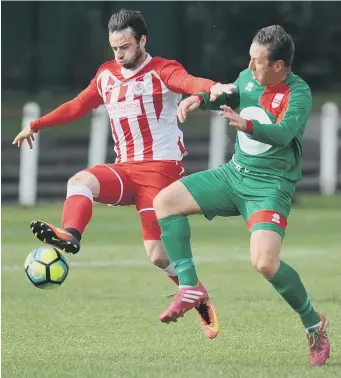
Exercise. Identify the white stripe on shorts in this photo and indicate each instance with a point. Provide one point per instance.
(121, 182)
(146, 209)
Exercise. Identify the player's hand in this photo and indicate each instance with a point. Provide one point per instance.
(235, 119)
(25, 134)
(188, 105)
(218, 89)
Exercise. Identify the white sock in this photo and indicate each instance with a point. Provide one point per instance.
(79, 190)
(170, 270)
(185, 286)
(313, 328)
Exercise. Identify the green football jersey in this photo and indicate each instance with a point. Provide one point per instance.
(279, 115)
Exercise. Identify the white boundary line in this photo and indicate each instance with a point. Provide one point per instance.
(198, 260)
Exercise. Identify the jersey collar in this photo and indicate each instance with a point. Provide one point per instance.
(129, 73)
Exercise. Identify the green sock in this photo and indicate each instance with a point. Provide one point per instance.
(176, 236)
(288, 284)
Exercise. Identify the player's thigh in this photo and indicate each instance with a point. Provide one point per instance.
(116, 187)
(265, 203)
(212, 191)
(175, 199)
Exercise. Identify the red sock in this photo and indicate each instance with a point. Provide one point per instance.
(175, 279)
(77, 212)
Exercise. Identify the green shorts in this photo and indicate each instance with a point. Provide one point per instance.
(264, 201)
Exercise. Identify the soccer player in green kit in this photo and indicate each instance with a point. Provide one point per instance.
(258, 183)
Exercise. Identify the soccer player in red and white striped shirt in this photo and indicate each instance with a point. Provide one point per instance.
(141, 94)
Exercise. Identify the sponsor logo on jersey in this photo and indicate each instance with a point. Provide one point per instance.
(277, 100)
(249, 86)
(138, 88)
(124, 109)
(276, 218)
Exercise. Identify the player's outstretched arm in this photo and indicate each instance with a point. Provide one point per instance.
(70, 111)
(214, 94)
(221, 94)
(221, 89)
(176, 79)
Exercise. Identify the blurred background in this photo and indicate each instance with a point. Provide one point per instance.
(103, 322)
(51, 50)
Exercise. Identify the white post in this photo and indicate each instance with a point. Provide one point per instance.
(218, 140)
(98, 137)
(329, 147)
(28, 173)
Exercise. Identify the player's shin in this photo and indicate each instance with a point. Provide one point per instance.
(176, 235)
(77, 210)
(288, 284)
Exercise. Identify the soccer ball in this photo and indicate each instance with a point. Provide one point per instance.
(46, 267)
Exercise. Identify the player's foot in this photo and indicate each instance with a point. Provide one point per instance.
(57, 237)
(208, 316)
(209, 319)
(184, 300)
(319, 345)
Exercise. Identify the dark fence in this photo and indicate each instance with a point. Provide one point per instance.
(59, 45)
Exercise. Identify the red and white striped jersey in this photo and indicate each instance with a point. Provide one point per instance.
(141, 104)
(142, 112)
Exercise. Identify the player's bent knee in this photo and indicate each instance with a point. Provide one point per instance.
(265, 267)
(87, 179)
(265, 249)
(156, 253)
(160, 261)
(265, 262)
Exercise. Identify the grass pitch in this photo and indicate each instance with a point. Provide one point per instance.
(103, 321)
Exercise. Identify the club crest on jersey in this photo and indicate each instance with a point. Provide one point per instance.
(109, 89)
(277, 100)
(138, 88)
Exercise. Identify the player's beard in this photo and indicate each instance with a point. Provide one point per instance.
(135, 61)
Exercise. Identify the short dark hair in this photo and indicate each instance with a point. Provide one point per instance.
(128, 19)
(278, 42)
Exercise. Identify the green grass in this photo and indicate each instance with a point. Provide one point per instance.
(103, 321)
